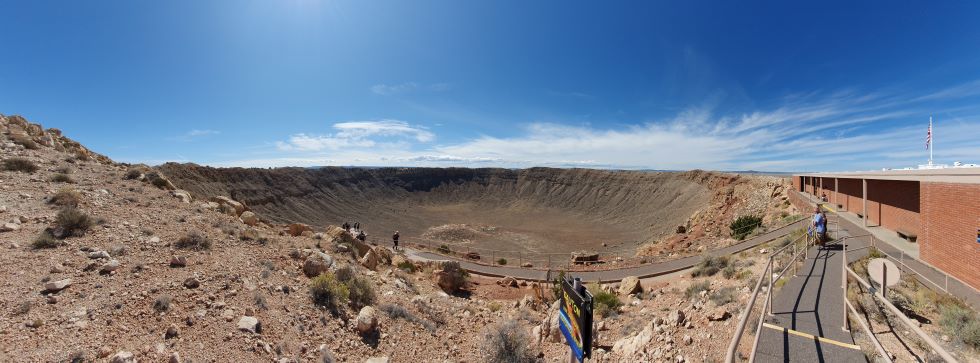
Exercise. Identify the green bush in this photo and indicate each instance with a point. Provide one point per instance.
(444, 249)
(360, 292)
(695, 289)
(556, 285)
(604, 302)
(61, 178)
(193, 240)
(45, 240)
(19, 164)
(328, 292)
(73, 222)
(507, 342)
(502, 261)
(710, 265)
(744, 225)
(961, 322)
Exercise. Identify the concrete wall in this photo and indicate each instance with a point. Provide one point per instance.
(950, 218)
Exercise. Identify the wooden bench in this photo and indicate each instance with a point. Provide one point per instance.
(909, 236)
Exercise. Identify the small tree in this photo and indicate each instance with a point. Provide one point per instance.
(744, 225)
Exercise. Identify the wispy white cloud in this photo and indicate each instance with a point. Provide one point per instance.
(393, 89)
(815, 131)
(194, 134)
(357, 134)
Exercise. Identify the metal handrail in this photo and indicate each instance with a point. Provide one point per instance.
(901, 316)
(767, 306)
(867, 330)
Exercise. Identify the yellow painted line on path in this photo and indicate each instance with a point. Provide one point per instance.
(811, 337)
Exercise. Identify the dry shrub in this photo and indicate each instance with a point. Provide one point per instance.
(22, 165)
(45, 240)
(62, 178)
(194, 240)
(73, 222)
(66, 198)
(507, 342)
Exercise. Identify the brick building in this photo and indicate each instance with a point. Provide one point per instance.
(938, 210)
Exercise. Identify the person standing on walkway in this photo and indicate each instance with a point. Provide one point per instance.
(818, 226)
(394, 239)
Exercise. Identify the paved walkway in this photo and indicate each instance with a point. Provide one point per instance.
(808, 314)
(613, 275)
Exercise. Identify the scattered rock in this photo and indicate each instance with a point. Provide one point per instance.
(719, 314)
(527, 265)
(178, 261)
(183, 195)
(297, 229)
(98, 254)
(630, 346)
(109, 267)
(172, 332)
(367, 320)
(249, 324)
(377, 360)
(630, 285)
(688, 340)
(191, 283)
(507, 282)
(56, 286)
(123, 357)
(676, 318)
(9, 227)
(370, 260)
(250, 218)
(316, 264)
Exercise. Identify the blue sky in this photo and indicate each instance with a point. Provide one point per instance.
(662, 85)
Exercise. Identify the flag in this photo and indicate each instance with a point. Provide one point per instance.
(929, 134)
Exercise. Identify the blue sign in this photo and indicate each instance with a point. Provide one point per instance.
(575, 319)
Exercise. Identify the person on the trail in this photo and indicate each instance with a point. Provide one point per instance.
(823, 197)
(394, 238)
(361, 236)
(357, 226)
(818, 226)
(346, 226)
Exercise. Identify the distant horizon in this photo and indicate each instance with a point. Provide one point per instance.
(669, 86)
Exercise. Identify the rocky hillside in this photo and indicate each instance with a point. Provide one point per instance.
(108, 262)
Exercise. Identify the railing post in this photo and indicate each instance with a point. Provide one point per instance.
(843, 286)
(769, 291)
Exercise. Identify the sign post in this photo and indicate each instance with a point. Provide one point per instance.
(575, 318)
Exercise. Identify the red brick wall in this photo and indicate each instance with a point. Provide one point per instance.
(950, 218)
(849, 194)
(797, 182)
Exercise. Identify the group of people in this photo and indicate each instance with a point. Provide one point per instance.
(356, 226)
(348, 225)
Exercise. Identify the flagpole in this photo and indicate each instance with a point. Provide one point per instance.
(932, 139)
